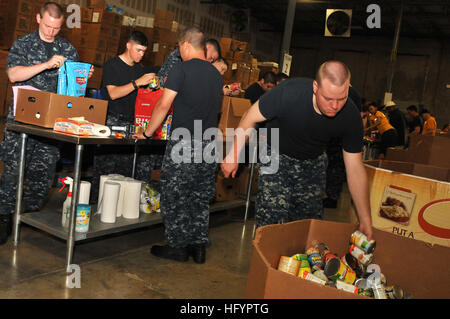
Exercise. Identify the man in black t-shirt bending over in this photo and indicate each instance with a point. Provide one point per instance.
(187, 183)
(309, 113)
(122, 76)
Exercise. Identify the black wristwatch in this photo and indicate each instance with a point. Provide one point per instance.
(147, 137)
(134, 84)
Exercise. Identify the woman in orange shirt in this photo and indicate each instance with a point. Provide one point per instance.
(388, 134)
(430, 125)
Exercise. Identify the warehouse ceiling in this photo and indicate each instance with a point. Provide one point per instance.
(421, 18)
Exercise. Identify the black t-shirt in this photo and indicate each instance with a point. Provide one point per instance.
(254, 92)
(199, 94)
(398, 121)
(304, 134)
(116, 72)
(416, 121)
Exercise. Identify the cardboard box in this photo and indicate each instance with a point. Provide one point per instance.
(411, 200)
(431, 150)
(42, 108)
(146, 22)
(156, 175)
(226, 188)
(225, 45)
(242, 180)
(396, 257)
(3, 106)
(111, 18)
(96, 4)
(95, 57)
(163, 19)
(96, 80)
(238, 45)
(231, 112)
(396, 154)
(164, 36)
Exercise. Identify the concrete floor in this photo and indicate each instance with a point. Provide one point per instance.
(120, 266)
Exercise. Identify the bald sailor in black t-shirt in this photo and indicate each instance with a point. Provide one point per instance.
(187, 183)
(309, 113)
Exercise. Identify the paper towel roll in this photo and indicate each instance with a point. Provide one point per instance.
(103, 179)
(85, 192)
(132, 199)
(101, 130)
(110, 199)
(123, 186)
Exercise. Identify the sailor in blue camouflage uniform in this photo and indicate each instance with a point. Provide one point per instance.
(188, 178)
(212, 54)
(123, 75)
(309, 114)
(33, 60)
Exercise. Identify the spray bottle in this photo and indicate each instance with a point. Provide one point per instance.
(66, 206)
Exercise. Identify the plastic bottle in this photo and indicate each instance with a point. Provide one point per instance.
(66, 205)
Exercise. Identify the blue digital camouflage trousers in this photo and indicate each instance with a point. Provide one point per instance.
(292, 193)
(41, 158)
(186, 191)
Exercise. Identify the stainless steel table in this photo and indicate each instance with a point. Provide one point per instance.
(50, 221)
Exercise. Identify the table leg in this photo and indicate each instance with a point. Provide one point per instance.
(19, 195)
(73, 206)
(250, 179)
(133, 172)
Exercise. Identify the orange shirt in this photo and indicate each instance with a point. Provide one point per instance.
(430, 125)
(384, 126)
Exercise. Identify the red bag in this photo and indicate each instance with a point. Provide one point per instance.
(143, 109)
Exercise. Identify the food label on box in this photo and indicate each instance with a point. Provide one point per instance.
(410, 206)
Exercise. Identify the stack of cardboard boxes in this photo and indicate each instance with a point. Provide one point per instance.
(17, 18)
(3, 83)
(243, 67)
(98, 38)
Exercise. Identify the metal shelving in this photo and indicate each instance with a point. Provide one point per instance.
(49, 219)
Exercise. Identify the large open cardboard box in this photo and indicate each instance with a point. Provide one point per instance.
(418, 268)
(431, 150)
(43, 108)
(422, 192)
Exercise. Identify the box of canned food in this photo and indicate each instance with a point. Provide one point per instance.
(315, 259)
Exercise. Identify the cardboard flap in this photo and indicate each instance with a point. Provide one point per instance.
(239, 106)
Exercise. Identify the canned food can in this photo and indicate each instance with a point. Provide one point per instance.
(300, 257)
(365, 292)
(335, 269)
(394, 292)
(82, 218)
(382, 277)
(323, 249)
(360, 240)
(153, 84)
(328, 257)
(289, 265)
(361, 283)
(346, 287)
(353, 263)
(379, 292)
(311, 277)
(359, 254)
(314, 258)
(320, 274)
(304, 266)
